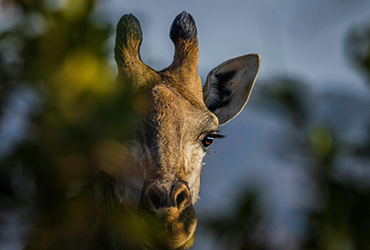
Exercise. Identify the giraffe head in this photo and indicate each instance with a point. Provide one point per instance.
(176, 124)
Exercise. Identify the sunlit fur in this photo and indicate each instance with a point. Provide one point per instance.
(151, 198)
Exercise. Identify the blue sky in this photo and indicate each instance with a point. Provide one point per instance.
(299, 38)
(303, 39)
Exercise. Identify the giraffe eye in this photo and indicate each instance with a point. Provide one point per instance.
(207, 141)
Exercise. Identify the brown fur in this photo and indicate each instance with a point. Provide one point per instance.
(165, 164)
(150, 182)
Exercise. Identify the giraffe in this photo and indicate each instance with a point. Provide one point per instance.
(147, 200)
(177, 124)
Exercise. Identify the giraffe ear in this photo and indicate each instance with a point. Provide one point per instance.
(229, 86)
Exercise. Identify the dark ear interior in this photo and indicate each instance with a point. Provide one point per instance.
(221, 94)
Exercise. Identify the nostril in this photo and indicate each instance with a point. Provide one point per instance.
(154, 197)
(181, 196)
(156, 200)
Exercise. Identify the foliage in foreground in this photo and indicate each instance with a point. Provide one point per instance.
(54, 62)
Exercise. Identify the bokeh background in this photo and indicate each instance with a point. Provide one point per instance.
(294, 169)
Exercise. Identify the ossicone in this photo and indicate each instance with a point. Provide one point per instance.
(183, 34)
(128, 31)
(183, 28)
(131, 69)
